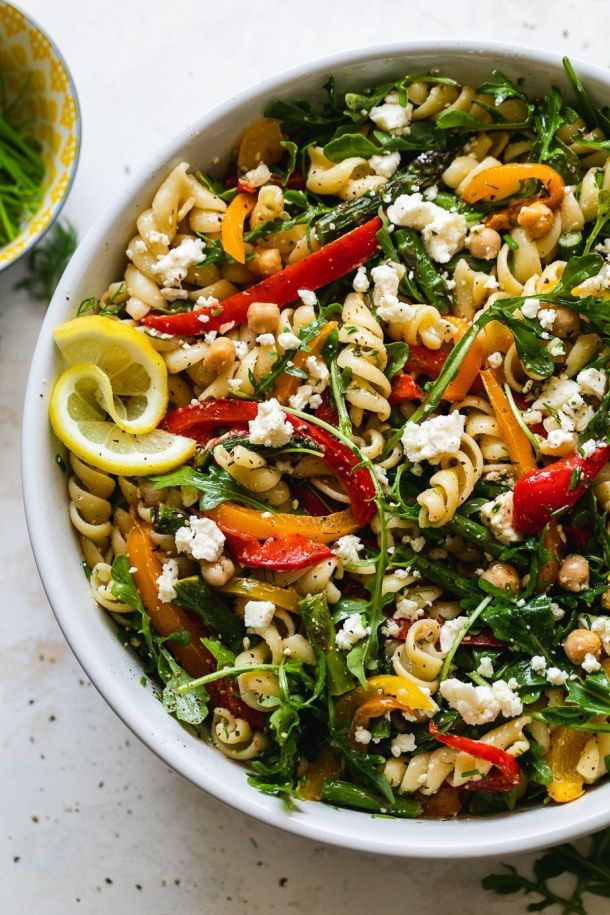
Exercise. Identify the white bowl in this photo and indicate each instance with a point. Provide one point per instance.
(113, 670)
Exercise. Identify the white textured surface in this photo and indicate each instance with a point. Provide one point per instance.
(91, 821)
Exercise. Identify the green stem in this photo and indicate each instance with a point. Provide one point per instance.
(458, 639)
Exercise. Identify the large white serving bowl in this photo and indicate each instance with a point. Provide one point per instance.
(114, 671)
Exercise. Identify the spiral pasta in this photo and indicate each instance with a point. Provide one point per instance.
(451, 486)
(365, 356)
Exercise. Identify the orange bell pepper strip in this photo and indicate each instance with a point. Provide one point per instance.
(567, 745)
(167, 618)
(323, 529)
(383, 694)
(261, 142)
(501, 181)
(287, 385)
(324, 766)
(457, 389)
(232, 228)
(553, 544)
(518, 447)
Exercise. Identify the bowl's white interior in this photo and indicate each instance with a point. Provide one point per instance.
(100, 260)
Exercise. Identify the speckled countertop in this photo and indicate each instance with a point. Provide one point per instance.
(90, 820)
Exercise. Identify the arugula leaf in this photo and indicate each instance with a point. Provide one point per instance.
(398, 353)
(191, 707)
(427, 278)
(530, 627)
(548, 147)
(363, 767)
(502, 88)
(531, 350)
(602, 218)
(463, 120)
(122, 584)
(224, 657)
(195, 595)
(586, 106)
(216, 485)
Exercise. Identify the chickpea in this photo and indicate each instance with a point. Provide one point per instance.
(605, 600)
(265, 261)
(485, 244)
(263, 317)
(220, 356)
(503, 576)
(150, 495)
(574, 573)
(217, 573)
(566, 323)
(536, 219)
(580, 643)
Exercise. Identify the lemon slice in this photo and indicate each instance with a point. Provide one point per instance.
(137, 374)
(78, 416)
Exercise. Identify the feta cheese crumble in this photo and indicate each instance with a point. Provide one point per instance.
(258, 614)
(391, 116)
(270, 426)
(592, 381)
(498, 516)
(481, 704)
(404, 743)
(361, 280)
(408, 609)
(258, 176)
(288, 340)
(174, 266)
(486, 668)
(350, 632)
(434, 438)
(601, 627)
(385, 165)
(443, 232)
(200, 538)
(556, 677)
(386, 279)
(449, 632)
(166, 581)
(538, 664)
(348, 547)
(590, 663)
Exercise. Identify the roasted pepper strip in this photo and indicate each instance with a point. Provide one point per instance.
(280, 553)
(457, 389)
(254, 589)
(563, 757)
(287, 385)
(325, 529)
(517, 444)
(167, 618)
(261, 142)
(318, 269)
(232, 228)
(510, 772)
(430, 362)
(383, 694)
(501, 181)
(542, 492)
(404, 389)
(324, 766)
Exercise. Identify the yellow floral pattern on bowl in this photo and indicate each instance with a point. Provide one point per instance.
(25, 49)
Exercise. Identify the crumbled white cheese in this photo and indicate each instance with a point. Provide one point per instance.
(532, 417)
(485, 668)
(596, 284)
(556, 677)
(386, 279)
(481, 704)
(158, 238)
(174, 266)
(495, 360)
(361, 280)
(558, 437)
(258, 176)
(449, 632)
(391, 116)
(350, 632)
(234, 384)
(403, 743)
(385, 165)
(588, 448)
(592, 381)
(348, 547)
(416, 543)
(266, 339)
(443, 231)
(601, 627)
(538, 664)
(530, 308)
(166, 581)
(241, 347)
(547, 316)
(200, 538)
(305, 396)
(408, 609)
(270, 426)
(307, 297)
(434, 438)
(288, 340)
(382, 475)
(258, 614)
(590, 663)
(498, 515)
(362, 735)
(557, 612)
(556, 347)
(317, 370)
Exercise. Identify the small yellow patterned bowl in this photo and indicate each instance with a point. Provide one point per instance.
(25, 49)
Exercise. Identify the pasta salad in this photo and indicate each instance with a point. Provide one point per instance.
(338, 446)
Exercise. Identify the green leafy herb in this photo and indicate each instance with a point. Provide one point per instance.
(398, 353)
(216, 486)
(195, 595)
(48, 260)
(586, 106)
(191, 707)
(529, 626)
(321, 633)
(122, 584)
(601, 220)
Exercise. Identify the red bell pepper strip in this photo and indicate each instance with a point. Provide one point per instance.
(280, 554)
(318, 269)
(309, 499)
(429, 362)
(510, 772)
(483, 639)
(404, 388)
(295, 182)
(199, 419)
(326, 411)
(542, 492)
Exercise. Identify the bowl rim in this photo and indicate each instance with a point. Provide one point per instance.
(464, 838)
(58, 206)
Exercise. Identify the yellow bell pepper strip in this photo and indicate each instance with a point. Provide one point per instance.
(565, 752)
(383, 694)
(324, 766)
(232, 228)
(166, 618)
(501, 181)
(253, 589)
(497, 338)
(286, 385)
(518, 447)
(457, 389)
(261, 142)
(323, 529)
